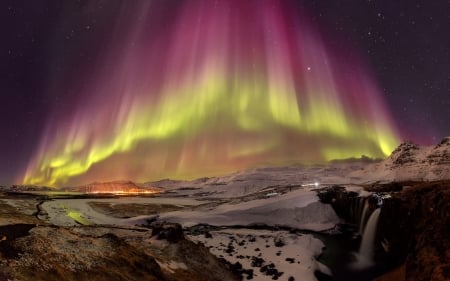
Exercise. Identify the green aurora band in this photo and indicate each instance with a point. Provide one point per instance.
(223, 87)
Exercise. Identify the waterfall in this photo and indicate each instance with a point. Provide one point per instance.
(365, 255)
(350, 210)
(361, 201)
(363, 217)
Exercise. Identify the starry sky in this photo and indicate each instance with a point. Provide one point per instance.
(57, 55)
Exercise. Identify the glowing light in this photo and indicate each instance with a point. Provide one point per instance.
(227, 85)
(124, 192)
(78, 217)
(117, 188)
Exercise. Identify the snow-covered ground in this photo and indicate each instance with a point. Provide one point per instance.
(255, 180)
(63, 212)
(409, 162)
(298, 209)
(235, 203)
(293, 255)
(296, 206)
(283, 196)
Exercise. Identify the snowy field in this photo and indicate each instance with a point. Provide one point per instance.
(234, 204)
(267, 253)
(254, 249)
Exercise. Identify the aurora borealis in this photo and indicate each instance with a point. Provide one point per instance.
(200, 88)
(230, 85)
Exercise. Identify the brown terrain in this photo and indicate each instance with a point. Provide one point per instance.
(128, 210)
(429, 249)
(31, 249)
(415, 220)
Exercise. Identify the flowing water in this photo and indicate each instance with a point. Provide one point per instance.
(363, 217)
(365, 254)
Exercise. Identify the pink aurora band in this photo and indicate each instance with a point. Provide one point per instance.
(217, 87)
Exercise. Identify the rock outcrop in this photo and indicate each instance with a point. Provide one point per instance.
(101, 253)
(428, 222)
(413, 234)
(410, 162)
(172, 232)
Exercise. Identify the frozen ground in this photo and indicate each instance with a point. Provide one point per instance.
(243, 211)
(267, 253)
(271, 197)
(235, 204)
(67, 212)
(298, 209)
(262, 179)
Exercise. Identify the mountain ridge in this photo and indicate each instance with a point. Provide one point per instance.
(410, 161)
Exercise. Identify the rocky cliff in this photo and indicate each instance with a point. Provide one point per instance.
(410, 162)
(100, 253)
(413, 234)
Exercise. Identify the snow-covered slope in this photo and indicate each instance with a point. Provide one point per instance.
(410, 162)
(261, 179)
(298, 209)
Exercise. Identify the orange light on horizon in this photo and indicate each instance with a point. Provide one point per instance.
(124, 192)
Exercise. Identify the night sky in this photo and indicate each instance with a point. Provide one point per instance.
(54, 56)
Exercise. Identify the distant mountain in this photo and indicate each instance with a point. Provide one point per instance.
(411, 162)
(164, 183)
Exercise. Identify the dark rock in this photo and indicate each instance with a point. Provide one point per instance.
(388, 187)
(249, 273)
(290, 260)
(8, 233)
(444, 142)
(230, 249)
(238, 270)
(257, 262)
(172, 232)
(416, 225)
(340, 200)
(237, 266)
(404, 154)
(413, 225)
(263, 268)
(279, 241)
(270, 270)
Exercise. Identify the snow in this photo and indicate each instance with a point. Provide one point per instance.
(262, 179)
(302, 249)
(64, 211)
(430, 163)
(358, 189)
(282, 196)
(172, 265)
(298, 209)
